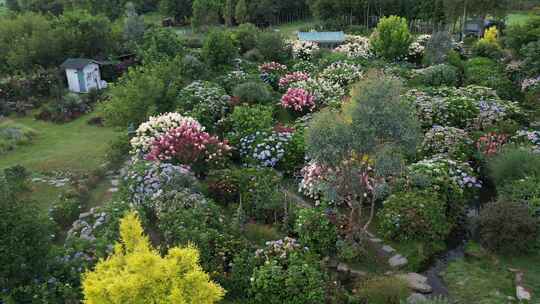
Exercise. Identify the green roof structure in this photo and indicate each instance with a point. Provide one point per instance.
(322, 37)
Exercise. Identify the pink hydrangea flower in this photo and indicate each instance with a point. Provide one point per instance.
(298, 100)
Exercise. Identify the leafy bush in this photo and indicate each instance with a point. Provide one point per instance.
(486, 72)
(218, 49)
(439, 75)
(207, 102)
(316, 231)
(519, 35)
(69, 107)
(414, 216)
(245, 36)
(118, 150)
(13, 135)
(525, 191)
(25, 239)
(383, 290)
(531, 58)
(142, 92)
(513, 164)
(272, 46)
(160, 44)
(254, 55)
(66, 209)
(246, 120)
(253, 93)
(192, 68)
(391, 38)
(452, 142)
(507, 227)
(484, 48)
(438, 48)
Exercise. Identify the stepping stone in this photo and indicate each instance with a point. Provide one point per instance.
(416, 298)
(398, 261)
(416, 282)
(388, 249)
(115, 182)
(375, 240)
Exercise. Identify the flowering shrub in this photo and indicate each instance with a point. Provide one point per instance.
(529, 83)
(461, 173)
(150, 131)
(324, 91)
(341, 73)
(246, 120)
(288, 79)
(417, 48)
(271, 72)
(471, 108)
(146, 182)
(313, 182)
(298, 100)
(264, 148)
(355, 47)
(447, 141)
(230, 80)
(491, 143)
(528, 138)
(304, 50)
(205, 101)
(280, 249)
(188, 144)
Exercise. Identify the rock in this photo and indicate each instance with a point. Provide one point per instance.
(375, 240)
(388, 249)
(85, 214)
(358, 273)
(398, 261)
(523, 294)
(342, 267)
(115, 182)
(113, 190)
(416, 298)
(416, 282)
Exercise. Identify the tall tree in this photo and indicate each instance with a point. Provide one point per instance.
(180, 10)
(241, 12)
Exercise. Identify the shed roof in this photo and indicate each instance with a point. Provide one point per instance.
(77, 63)
(322, 37)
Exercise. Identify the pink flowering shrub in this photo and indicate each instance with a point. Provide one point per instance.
(290, 78)
(272, 67)
(298, 100)
(188, 144)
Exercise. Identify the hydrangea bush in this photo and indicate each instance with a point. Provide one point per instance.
(298, 100)
(264, 148)
(447, 141)
(304, 50)
(418, 48)
(290, 78)
(528, 138)
(323, 90)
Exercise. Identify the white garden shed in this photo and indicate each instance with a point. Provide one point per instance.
(83, 75)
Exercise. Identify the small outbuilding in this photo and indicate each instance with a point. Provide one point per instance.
(324, 39)
(83, 75)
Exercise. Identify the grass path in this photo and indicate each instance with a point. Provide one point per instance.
(74, 146)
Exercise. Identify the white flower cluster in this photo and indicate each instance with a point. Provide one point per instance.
(304, 49)
(324, 91)
(342, 73)
(418, 46)
(355, 47)
(154, 128)
(529, 83)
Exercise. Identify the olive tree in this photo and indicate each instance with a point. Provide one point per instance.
(363, 145)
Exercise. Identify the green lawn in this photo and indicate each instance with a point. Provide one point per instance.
(74, 146)
(518, 18)
(290, 29)
(487, 280)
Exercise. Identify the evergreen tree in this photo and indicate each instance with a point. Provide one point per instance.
(241, 12)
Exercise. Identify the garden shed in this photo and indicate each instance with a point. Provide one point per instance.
(83, 75)
(324, 39)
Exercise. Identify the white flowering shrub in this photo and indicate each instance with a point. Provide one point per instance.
(314, 181)
(324, 91)
(304, 50)
(355, 47)
(447, 141)
(342, 73)
(150, 131)
(418, 47)
(528, 139)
